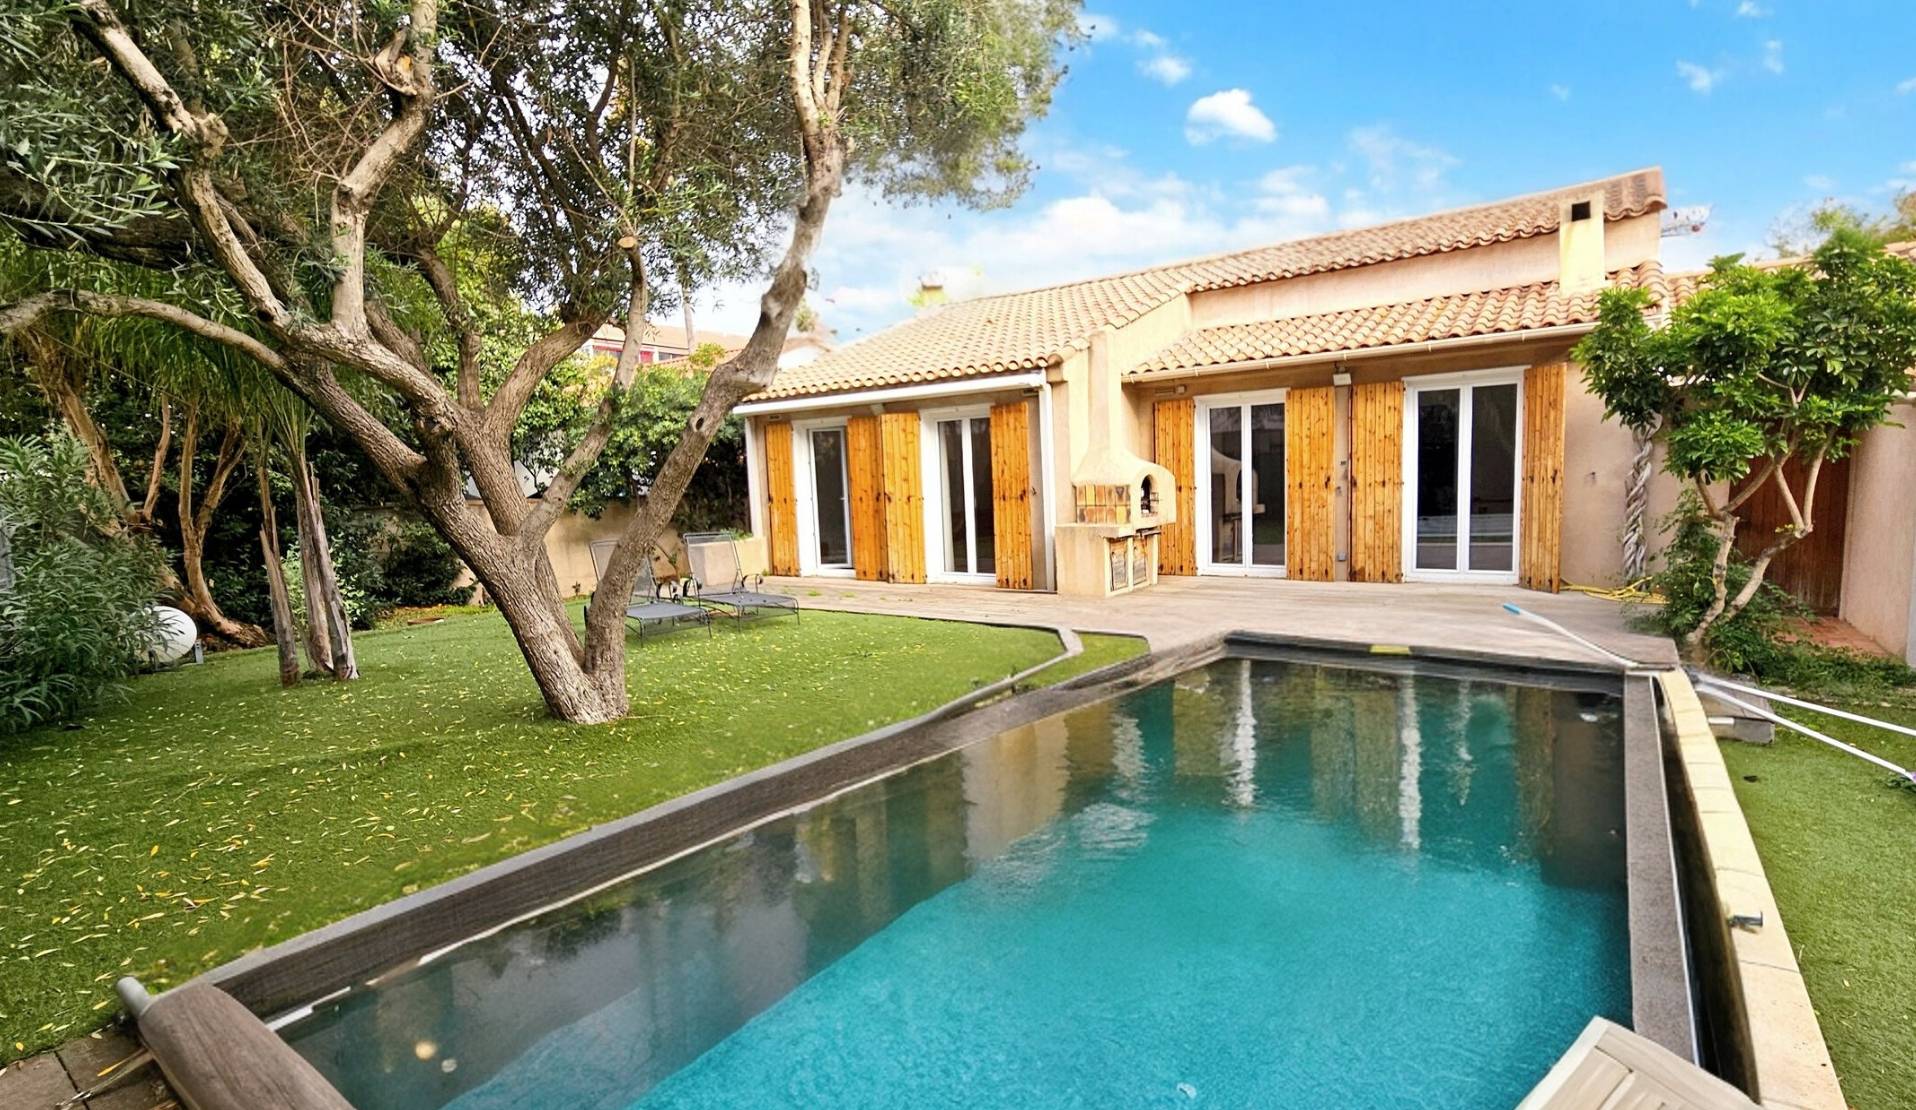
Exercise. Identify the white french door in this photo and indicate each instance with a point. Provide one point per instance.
(1462, 462)
(960, 533)
(824, 494)
(1239, 444)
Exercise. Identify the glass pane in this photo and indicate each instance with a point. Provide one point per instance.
(1437, 432)
(1227, 467)
(982, 525)
(1267, 485)
(951, 452)
(1493, 477)
(828, 481)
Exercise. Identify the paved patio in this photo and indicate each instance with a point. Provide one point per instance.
(1181, 611)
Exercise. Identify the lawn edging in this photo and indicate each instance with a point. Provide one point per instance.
(1788, 1063)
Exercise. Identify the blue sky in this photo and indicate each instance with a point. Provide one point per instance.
(1186, 128)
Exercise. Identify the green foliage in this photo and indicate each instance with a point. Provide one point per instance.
(651, 417)
(74, 609)
(1758, 640)
(1744, 643)
(1761, 362)
(386, 562)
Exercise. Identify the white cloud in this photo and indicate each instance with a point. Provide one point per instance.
(1701, 79)
(1821, 183)
(1098, 27)
(1147, 40)
(1561, 92)
(1395, 162)
(1227, 113)
(1773, 55)
(1904, 88)
(1750, 9)
(1165, 69)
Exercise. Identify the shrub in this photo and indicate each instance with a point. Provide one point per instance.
(389, 563)
(1756, 641)
(74, 612)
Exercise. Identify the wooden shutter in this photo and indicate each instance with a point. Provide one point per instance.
(865, 465)
(904, 502)
(1177, 541)
(1011, 493)
(1540, 547)
(781, 504)
(1310, 420)
(1377, 482)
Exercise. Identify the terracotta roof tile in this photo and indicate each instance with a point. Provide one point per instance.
(1457, 316)
(1028, 330)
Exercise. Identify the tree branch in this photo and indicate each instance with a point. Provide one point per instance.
(23, 313)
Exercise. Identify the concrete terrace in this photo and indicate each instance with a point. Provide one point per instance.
(1181, 611)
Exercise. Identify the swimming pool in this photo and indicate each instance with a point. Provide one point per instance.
(1262, 882)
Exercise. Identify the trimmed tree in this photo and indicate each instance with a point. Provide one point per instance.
(321, 156)
(1763, 367)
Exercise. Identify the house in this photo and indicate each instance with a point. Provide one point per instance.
(661, 342)
(1378, 404)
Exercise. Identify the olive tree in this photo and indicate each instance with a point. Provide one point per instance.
(324, 157)
(1762, 367)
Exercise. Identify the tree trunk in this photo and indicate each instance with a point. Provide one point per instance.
(326, 605)
(195, 521)
(318, 641)
(284, 636)
(551, 648)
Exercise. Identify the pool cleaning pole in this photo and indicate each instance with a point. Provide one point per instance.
(1827, 711)
(1560, 630)
(1708, 686)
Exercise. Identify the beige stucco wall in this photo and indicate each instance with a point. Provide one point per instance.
(569, 546)
(1879, 553)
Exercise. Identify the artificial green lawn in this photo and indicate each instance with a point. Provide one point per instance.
(1836, 844)
(1101, 649)
(213, 812)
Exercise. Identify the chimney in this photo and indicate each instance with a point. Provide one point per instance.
(931, 292)
(1119, 501)
(1580, 244)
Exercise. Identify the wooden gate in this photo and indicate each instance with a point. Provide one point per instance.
(1811, 569)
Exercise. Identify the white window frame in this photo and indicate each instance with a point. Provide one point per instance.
(933, 476)
(805, 492)
(1201, 467)
(1462, 382)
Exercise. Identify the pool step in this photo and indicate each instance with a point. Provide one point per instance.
(1609, 1066)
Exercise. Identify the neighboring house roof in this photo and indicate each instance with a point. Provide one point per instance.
(1456, 316)
(1034, 328)
(669, 336)
(1682, 286)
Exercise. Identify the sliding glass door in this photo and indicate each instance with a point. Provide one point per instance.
(1461, 475)
(966, 542)
(1240, 491)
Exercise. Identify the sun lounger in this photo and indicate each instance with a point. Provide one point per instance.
(720, 582)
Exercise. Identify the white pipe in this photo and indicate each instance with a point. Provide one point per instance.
(987, 383)
(1801, 704)
(1707, 688)
(1565, 632)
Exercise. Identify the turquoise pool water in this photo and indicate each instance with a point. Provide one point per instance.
(1263, 884)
